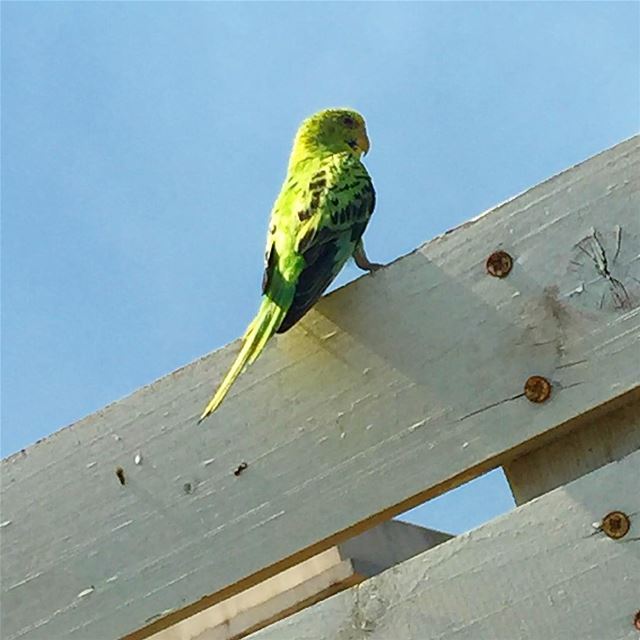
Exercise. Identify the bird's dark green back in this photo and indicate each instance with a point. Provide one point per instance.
(338, 202)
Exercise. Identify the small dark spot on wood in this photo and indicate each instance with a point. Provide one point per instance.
(187, 487)
(153, 617)
(120, 475)
(240, 468)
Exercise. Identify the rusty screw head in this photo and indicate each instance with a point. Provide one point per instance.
(499, 264)
(616, 525)
(537, 389)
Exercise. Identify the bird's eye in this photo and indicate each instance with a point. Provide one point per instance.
(348, 121)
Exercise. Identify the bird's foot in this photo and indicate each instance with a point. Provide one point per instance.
(363, 262)
(372, 267)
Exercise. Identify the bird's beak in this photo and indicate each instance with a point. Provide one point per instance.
(363, 142)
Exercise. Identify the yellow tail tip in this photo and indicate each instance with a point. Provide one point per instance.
(262, 327)
(210, 408)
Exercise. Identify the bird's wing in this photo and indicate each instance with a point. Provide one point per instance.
(324, 223)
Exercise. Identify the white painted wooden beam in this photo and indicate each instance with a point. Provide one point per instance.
(540, 572)
(395, 389)
(310, 581)
(607, 438)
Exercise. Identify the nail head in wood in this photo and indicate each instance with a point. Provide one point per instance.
(615, 525)
(537, 389)
(120, 474)
(499, 264)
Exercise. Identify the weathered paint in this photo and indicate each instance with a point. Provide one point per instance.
(397, 388)
(606, 438)
(313, 580)
(542, 571)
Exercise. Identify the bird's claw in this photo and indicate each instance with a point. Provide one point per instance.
(363, 262)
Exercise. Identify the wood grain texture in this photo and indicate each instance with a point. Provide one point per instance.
(308, 582)
(396, 388)
(540, 572)
(609, 437)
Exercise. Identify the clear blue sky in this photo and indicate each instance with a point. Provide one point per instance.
(143, 144)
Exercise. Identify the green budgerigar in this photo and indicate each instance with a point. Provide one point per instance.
(316, 225)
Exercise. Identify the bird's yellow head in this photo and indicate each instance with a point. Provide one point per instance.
(334, 131)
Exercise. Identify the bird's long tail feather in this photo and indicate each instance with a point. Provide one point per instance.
(263, 326)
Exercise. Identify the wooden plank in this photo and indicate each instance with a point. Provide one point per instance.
(609, 437)
(542, 571)
(396, 388)
(309, 582)
(236, 617)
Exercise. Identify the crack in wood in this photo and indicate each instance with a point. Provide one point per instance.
(572, 364)
(618, 232)
(490, 406)
(593, 247)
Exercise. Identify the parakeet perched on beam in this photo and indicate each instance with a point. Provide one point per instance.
(316, 225)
